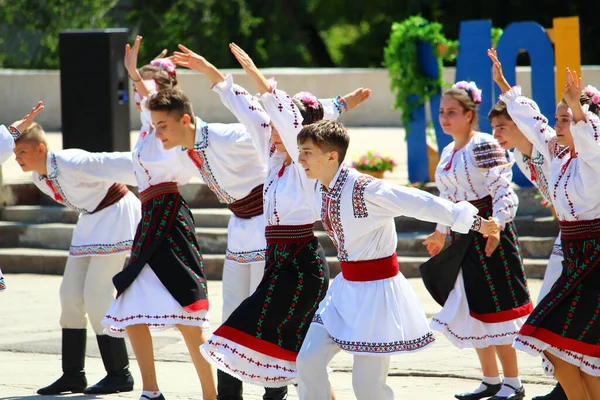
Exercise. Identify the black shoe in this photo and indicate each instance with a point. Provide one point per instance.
(114, 356)
(490, 390)
(519, 394)
(161, 397)
(73, 361)
(279, 393)
(557, 393)
(228, 387)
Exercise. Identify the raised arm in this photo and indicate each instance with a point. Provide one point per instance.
(131, 59)
(333, 108)
(111, 167)
(531, 122)
(246, 108)
(497, 71)
(9, 135)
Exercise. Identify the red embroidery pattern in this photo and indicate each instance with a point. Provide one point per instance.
(359, 206)
(474, 338)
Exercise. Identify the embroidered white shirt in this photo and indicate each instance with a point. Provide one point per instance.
(7, 142)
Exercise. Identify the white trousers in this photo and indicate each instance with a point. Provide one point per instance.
(239, 282)
(369, 373)
(87, 290)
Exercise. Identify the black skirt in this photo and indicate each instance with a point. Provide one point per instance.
(568, 317)
(166, 240)
(495, 286)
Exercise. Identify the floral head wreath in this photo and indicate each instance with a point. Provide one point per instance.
(308, 98)
(471, 88)
(164, 63)
(593, 93)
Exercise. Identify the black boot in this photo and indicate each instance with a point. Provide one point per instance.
(73, 361)
(228, 387)
(114, 356)
(279, 393)
(490, 390)
(557, 393)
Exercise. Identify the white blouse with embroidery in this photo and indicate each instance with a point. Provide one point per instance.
(480, 169)
(573, 182)
(288, 192)
(152, 164)
(358, 213)
(535, 168)
(7, 141)
(80, 180)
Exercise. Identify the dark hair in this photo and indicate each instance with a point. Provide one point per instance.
(35, 134)
(499, 110)
(466, 102)
(173, 101)
(160, 75)
(328, 135)
(586, 99)
(309, 115)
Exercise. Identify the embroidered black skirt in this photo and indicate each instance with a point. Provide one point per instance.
(261, 339)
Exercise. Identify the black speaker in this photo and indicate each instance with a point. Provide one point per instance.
(94, 90)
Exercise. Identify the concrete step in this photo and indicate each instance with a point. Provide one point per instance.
(52, 262)
(198, 195)
(58, 235)
(527, 225)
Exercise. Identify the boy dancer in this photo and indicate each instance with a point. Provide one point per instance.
(370, 309)
(93, 184)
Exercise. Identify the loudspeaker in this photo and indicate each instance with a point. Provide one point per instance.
(94, 90)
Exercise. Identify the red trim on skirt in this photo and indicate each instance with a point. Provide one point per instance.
(504, 316)
(253, 343)
(198, 305)
(560, 342)
(370, 270)
(157, 190)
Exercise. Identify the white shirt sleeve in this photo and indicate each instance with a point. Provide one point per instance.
(531, 122)
(248, 110)
(495, 164)
(333, 108)
(7, 141)
(112, 167)
(586, 136)
(286, 118)
(390, 200)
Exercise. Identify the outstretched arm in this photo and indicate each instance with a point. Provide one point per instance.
(333, 108)
(497, 71)
(10, 134)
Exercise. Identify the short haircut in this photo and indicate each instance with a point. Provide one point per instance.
(499, 110)
(328, 135)
(35, 135)
(174, 101)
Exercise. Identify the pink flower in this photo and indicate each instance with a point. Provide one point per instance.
(308, 98)
(164, 63)
(471, 88)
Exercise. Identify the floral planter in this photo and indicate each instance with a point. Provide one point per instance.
(374, 174)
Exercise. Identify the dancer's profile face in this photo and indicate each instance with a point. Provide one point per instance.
(316, 162)
(506, 132)
(30, 156)
(170, 129)
(453, 117)
(562, 125)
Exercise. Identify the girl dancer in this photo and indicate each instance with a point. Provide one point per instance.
(228, 161)
(490, 298)
(562, 327)
(164, 283)
(537, 168)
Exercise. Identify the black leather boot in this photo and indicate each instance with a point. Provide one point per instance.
(114, 356)
(228, 387)
(279, 393)
(73, 361)
(558, 393)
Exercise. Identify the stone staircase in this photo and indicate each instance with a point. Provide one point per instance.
(35, 233)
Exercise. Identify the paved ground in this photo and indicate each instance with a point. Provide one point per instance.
(30, 348)
(388, 141)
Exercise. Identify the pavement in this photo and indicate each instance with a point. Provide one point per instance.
(30, 353)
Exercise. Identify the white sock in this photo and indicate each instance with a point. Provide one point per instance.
(507, 390)
(490, 380)
(149, 394)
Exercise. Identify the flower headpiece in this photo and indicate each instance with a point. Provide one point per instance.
(593, 93)
(164, 63)
(471, 88)
(308, 98)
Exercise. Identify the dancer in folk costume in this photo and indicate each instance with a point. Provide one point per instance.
(234, 168)
(489, 298)
(7, 145)
(260, 340)
(370, 310)
(164, 284)
(536, 168)
(563, 327)
(93, 184)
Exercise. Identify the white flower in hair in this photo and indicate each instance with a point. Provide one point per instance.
(471, 88)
